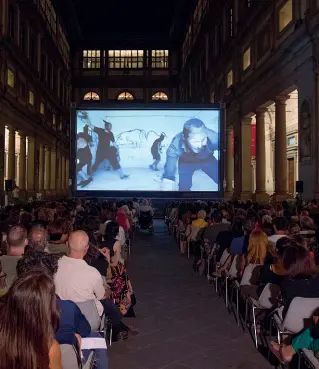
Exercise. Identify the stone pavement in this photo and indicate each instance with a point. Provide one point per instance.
(182, 322)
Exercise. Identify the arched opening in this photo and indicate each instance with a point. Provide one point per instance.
(125, 96)
(160, 96)
(91, 96)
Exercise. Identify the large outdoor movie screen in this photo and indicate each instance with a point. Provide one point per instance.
(148, 150)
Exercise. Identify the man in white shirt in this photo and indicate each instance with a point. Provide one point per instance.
(136, 206)
(145, 207)
(77, 281)
(280, 225)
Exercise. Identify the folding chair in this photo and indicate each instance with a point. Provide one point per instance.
(266, 301)
(299, 314)
(232, 274)
(71, 357)
(97, 323)
(216, 275)
(246, 280)
(309, 360)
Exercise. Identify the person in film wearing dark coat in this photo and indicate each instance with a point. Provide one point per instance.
(107, 149)
(84, 158)
(191, 150)
(156, 150)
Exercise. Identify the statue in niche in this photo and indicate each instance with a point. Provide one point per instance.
(305, 131)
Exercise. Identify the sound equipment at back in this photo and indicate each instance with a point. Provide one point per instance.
(299, 186)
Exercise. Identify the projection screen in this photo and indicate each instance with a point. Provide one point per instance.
(148, 150)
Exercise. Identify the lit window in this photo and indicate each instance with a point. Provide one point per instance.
(160, 96)
(292, 141)
(91, 59)
(229, 78)
(126, 59)
(10, 78)
(248, 3)
(246, 59)
(285, 15)
(31, 98)
(160, 59)
(60, 125)
(42, 108)
(91, 96)
(125, 96)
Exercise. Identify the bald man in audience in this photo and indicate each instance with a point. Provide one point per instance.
(38, 238)
(78, 282)
(17, 241)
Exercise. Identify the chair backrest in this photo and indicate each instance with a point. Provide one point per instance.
(89, 310)
(268, 298)
(224, 257)
(250, 275)
(235, 267)
(90, 362)
(9, 268)
(194, 232)
(299, 314)
(70, 358)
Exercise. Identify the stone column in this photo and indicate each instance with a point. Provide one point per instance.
(31, 166)
(47, 170)
(261, 195)
(11, 173)
(2, 162)
(22, 162)
(41, 168)
(229, 163)
(53, 171)
(63, 174)
(58, 173)
(280, 148)
(246, 169)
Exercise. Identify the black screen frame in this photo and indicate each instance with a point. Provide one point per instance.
(154, 194)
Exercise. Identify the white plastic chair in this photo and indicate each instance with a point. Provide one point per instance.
(232, 274)
(70, 357)
(246, 280)
(300, 310)
(267, 301)
(309, 358)
(216, 275)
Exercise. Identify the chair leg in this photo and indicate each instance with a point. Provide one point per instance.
(246, 315)
(279, 336)
(188, 249)
(237, 305)
(226, 297)
(208, 268)
(255, 327)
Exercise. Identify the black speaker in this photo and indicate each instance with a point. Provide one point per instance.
(8, 185)
(299, 186)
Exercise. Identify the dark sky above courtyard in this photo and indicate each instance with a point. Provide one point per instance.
(100, 19)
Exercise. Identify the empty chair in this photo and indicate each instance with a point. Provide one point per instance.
(216, 275)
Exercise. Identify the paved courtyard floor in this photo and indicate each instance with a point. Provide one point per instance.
(182, 322)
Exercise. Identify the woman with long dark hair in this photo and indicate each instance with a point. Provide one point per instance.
(28, 321)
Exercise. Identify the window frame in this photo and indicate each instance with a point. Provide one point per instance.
(126, 59)
(92, 58)
(243, 59)
(13, 75)
(126, 94)
(91, 94)
(31, 94)
(160, 93)
(160, 59)
(230, 72)
(280, 8)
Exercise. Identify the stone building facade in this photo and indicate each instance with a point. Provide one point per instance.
(259, 58)
(35, 81)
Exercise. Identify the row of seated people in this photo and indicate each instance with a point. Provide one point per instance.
(276, 248)
(86, 267)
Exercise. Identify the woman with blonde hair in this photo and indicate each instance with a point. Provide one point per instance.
(258, 248)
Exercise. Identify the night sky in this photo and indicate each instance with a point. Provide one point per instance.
(101, 19)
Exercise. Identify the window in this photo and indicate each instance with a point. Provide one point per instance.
(32, 50)
(31, 98)
(23, 40)
(248, 2)
(125, 96)
(160, 96)
(291, 141)
(12, 21)
(10, 78)
(91, 96)
(91, 59)
(160, 59)
(43, 67)
(53, 121)
(126, 59)
(246, 59)
(42, 108)
(263, 42)
(229, 78)
(60, 125)
(231, 22)
(285, 15)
